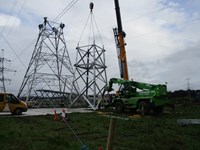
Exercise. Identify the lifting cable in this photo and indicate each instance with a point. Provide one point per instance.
(84, 28)
(98, 31)
(93, 23)
(91, 30)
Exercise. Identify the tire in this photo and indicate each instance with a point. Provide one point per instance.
(158, 109)
(143, 108)
(17, 111)
(119, 107)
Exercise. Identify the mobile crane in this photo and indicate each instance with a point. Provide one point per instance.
(132, 94)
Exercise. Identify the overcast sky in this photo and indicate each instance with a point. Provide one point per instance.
(162, 36)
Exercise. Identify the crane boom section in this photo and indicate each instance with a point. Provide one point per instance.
(156, 89)
(121, 35)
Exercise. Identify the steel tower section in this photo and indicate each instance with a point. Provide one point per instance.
(50, 67)
(90, 74)
(90, 70)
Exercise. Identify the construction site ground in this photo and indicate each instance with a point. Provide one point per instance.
(40, 130)
(48, 111)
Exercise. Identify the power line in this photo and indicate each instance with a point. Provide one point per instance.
(18, 14)
(26, 48)
(72, 3)
(11, 12)
(12, 49)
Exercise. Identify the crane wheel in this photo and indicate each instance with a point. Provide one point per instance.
(17, 111)
(119, 107)
(158, 109)
(143, 108)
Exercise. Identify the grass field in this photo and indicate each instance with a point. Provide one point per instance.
(146, 133)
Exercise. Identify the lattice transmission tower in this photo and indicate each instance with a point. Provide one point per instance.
(90, 67)
(50, 69)
(4, 70)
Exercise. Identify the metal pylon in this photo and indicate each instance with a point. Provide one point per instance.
(3, 69)
(90, 70)
(50, 67)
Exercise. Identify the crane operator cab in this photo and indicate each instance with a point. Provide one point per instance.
(126, 90)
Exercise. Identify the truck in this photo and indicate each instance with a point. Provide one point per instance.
(134, 95)
(10, 103)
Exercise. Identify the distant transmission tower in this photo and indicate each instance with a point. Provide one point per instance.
(188, 83)
(90, 69)
(3, 70)
(50, 71)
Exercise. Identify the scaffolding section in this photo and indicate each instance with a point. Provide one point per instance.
(4, 70)
(50, 68)
(90, 69)
(51, 99)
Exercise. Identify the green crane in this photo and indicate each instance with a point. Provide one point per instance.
(132, 94)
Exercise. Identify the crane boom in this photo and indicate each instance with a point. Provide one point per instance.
(119, 39)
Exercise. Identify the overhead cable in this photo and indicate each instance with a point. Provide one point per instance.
(72, 3)
(18, 14)
(12, 48)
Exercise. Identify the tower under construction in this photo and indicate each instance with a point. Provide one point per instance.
(90, 67)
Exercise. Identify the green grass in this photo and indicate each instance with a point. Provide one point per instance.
(150, 132)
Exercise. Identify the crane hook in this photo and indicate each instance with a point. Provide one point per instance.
(91, 6)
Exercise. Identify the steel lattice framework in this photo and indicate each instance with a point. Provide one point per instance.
(50, 67)
(90, 68)
(3, 69)
(90, 74)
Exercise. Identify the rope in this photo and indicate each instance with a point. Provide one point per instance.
(64, 119)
